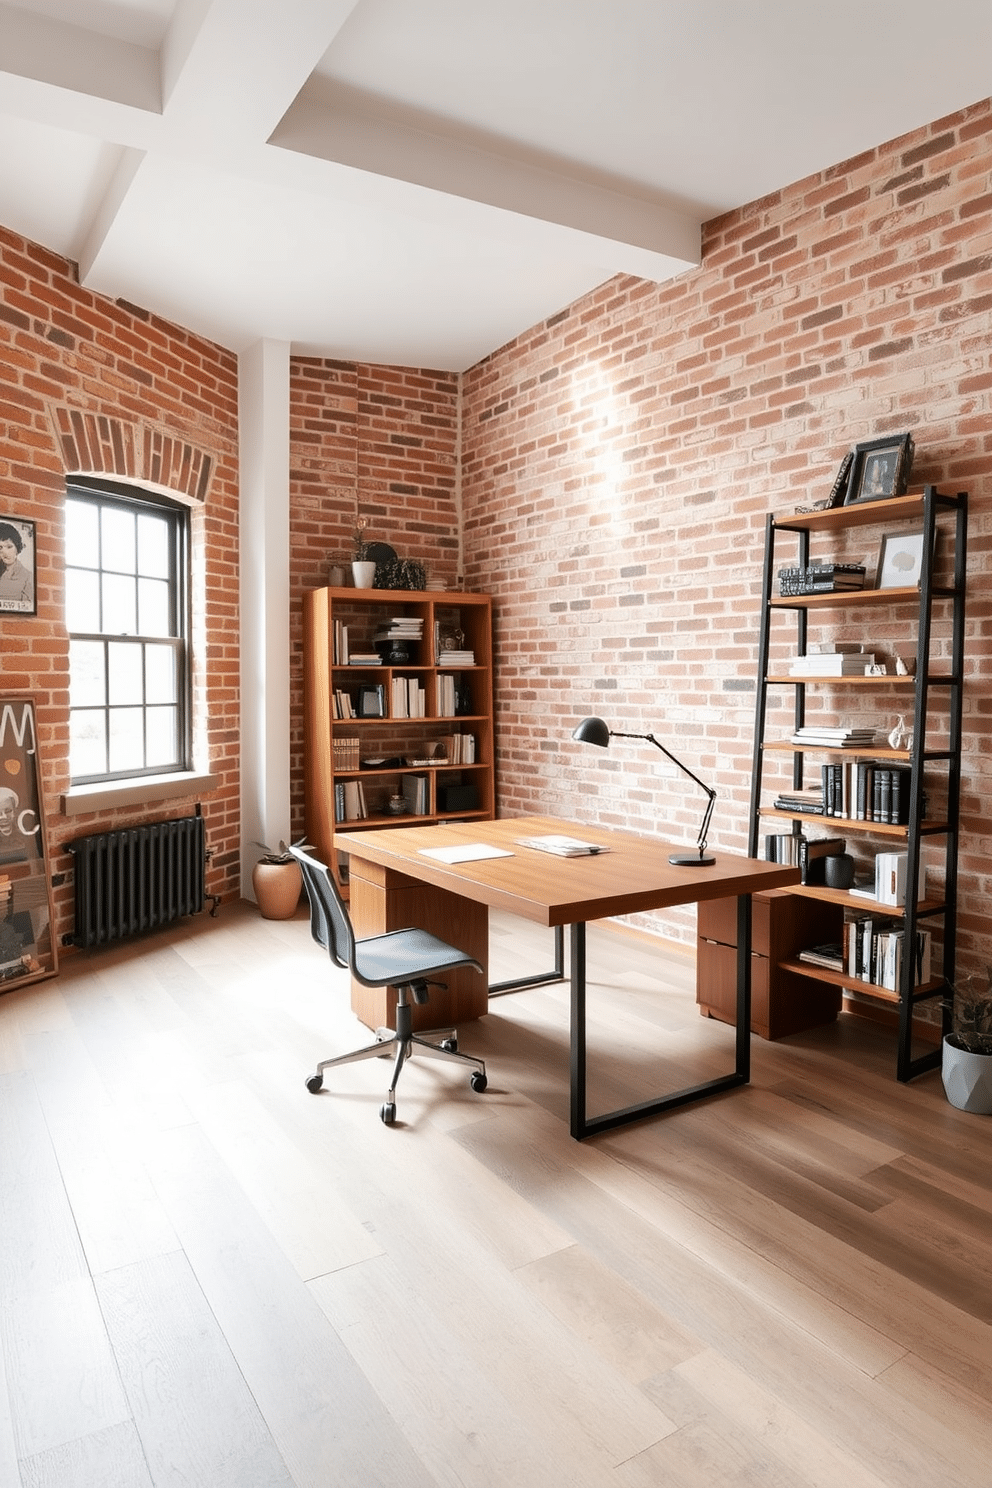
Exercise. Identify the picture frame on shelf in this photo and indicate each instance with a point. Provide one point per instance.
(900, 560)
(371, 702)
(18, 579)
(839, 489)
(880, 469)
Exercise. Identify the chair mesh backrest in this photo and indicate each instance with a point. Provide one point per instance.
(329, 922)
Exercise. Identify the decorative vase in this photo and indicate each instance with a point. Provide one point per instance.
(277, 889)
(364, 574)
(967, 1078)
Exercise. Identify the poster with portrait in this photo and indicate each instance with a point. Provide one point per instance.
(18, 586)
(27, 944)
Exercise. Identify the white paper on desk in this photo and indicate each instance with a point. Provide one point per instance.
(468, 854)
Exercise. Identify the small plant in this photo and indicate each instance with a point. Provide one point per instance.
(283, 855)
(361, 543)
(401, 573)
(972, 1013)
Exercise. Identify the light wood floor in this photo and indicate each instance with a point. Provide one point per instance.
(210, 1278)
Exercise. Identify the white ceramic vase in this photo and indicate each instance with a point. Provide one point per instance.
(363, 574)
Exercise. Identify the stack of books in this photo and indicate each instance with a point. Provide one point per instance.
(416, 793)
(456, 659)
(401, 628)
(349, 801)
(407, 698)
(832, 664)
(821, 578)
(830, 956)
(876, 950)
(825, 736)
(346, 754)
(805, 798)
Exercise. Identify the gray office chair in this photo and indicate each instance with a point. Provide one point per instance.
(404, 959)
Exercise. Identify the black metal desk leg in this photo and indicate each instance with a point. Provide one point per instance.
(536, 978)
(577, 1072)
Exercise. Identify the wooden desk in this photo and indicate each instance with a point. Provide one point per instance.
(393, 885)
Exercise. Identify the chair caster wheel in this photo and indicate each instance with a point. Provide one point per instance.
(450, 1045)
(478, 1082)
(388, 1113)
(315, 1083)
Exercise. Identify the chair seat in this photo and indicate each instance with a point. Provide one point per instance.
(405, 956)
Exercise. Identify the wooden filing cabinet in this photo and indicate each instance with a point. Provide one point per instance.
(782, 924)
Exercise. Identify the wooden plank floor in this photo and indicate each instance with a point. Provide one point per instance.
(210, 1277)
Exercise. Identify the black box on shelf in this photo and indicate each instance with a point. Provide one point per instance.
(458, 797)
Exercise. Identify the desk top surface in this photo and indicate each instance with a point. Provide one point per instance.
(634, 875)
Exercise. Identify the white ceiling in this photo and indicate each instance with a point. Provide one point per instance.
(418, 181)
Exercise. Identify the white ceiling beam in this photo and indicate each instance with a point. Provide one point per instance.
(228, 78)
(626, 231)
(62, 56)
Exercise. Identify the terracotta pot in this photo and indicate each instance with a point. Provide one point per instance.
(277, 889)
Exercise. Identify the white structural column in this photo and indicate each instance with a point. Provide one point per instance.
(263, 408)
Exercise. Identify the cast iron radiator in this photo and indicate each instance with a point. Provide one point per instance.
(137, 878)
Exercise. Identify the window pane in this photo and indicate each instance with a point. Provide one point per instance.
(82, 600)
(153, 608)
(119, 617)
(124, 682)
(82, 535)
(87, 684)
(118, 540)
(160, 674)
(163, 737)
(153, 547)
(127, 739)
(87, 748)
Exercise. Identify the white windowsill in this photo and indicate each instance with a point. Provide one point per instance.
(107, 795)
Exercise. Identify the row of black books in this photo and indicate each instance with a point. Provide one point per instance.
(808, 854)
(863, 790)
(821, 578)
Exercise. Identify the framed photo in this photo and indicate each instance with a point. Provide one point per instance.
(880, 468)
(17, 567)
(27, 946)
(839, 488)
(900, 560)
(371, 702)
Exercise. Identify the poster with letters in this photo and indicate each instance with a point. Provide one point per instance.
(27, 943)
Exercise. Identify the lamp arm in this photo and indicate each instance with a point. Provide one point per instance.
(711, 793)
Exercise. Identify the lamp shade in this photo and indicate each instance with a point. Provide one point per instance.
(592, 731)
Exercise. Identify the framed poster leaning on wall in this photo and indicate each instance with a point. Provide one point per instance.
(28, 949)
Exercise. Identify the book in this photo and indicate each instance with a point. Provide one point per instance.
(830, 956)
(563, 847)
(812, 853)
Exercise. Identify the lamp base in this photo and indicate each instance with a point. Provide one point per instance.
(691, 860)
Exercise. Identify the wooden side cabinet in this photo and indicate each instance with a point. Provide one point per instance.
(782, 924)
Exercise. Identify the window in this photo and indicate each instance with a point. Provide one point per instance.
(127, 603)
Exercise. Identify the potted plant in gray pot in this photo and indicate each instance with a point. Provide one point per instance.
(966, 1064)
(277, 881)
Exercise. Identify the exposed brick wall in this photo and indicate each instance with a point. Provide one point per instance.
(90, 385)
(377, 444)
(619, 460)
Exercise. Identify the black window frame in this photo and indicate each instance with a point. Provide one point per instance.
(135, 499)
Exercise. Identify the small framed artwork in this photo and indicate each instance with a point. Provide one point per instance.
(371, 702)
(28, 948)
(900, 560)
(839, 489)
(17, 567)
(880, 468)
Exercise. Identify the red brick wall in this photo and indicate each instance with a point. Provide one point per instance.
(619, 459)
(92, 385)
(378, 444)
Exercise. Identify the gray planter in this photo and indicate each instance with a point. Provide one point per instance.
(967, 1077)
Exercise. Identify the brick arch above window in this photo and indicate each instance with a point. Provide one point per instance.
(98, 444)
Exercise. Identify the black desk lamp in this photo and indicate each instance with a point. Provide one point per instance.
(595, 731)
